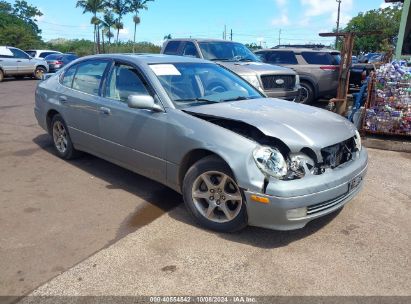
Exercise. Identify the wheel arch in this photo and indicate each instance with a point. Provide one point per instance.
(191, 158)
(49, 118)
(312, 82)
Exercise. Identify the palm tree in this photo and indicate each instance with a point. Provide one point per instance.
(120, 8)
(92, 6)
(107, 23)
(135, 6)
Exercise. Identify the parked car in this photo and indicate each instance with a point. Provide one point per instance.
(274, 81)
(318, 69)
(236, 156)
(15, 62)
(57, 61)
(41, 53)
(366, 57)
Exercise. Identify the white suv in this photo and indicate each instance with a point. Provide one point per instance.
(41, 53)
(15, 62)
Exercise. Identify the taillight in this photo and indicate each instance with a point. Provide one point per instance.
(329, 67)
(58, 62)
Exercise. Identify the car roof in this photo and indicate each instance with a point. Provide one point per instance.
(299, 50)
(42, 51)
(149, 58)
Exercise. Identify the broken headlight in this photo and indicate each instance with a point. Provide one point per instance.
(357, 140)
(299, 165)
(271, 162)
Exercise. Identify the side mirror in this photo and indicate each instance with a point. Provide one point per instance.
(143, 102)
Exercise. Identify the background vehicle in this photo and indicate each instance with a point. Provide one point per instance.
(41, 53)
(15, 62)
(236, 156)
(274, 81)
(318, 69)
(366, 57)
(57, 61)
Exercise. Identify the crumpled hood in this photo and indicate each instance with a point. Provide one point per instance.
(297, 125)
(252, 68)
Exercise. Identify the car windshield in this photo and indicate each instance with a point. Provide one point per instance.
(226, 51)
(193, 84)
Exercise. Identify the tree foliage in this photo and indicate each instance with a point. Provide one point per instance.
(18, 25)
(387, 20)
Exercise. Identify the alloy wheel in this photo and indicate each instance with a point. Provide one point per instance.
(217, 197)
(60, 137)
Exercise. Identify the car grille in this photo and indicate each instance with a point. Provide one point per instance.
(271, 82)
(336, 155)
(313, 209)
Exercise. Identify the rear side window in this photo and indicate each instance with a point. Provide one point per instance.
(172, 48)
(323, 58)
(31, 53)
(88, 76)
(19, 54)
(281, 57)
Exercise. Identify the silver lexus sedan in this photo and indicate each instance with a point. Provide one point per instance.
(236, 156)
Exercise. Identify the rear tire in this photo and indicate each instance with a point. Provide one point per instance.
(61, 139)
(213, 197)
(307, 93)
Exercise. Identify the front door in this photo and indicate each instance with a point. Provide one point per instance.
(134, 138)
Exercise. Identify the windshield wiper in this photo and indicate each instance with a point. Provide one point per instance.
(195, 99)
(220, 59)
(236, 98)
(245, 59)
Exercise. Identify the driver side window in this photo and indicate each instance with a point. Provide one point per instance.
(124, 81)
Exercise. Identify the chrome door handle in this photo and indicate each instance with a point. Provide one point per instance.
(105, 110)
(63, 99)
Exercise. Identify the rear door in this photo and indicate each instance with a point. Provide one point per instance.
(324, 67)
(25, 65)
(80, 97)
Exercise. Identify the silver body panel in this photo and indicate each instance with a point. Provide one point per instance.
(155, 144)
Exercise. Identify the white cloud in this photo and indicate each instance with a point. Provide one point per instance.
(317, 8)
(124, 34)
(281, 3)
(282, 20)
(320, 7)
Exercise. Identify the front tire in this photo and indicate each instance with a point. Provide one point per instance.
(39, 72)
(1, 75)
(213, 197)
(61, 139)
(307, 93)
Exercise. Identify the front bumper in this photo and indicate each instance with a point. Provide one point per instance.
(322, 194)
(287, 95)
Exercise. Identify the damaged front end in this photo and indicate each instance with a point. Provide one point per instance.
(275, 159)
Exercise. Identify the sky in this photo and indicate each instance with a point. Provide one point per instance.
(256, 21)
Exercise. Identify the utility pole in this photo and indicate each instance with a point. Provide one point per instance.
(225, 32)
(279, 37)
(231, 35)
(338, 22)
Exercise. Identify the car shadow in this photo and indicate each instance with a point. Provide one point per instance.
(155, 193)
